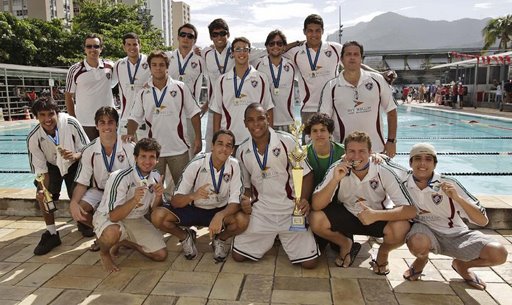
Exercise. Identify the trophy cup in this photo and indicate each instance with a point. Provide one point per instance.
(48, 203)
(296, 156)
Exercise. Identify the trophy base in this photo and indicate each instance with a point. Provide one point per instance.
(298, 223)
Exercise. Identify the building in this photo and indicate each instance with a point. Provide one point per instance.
(180, 16)
(40, 9)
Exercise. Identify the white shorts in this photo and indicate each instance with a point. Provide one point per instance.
(137, 230)
(261, 234)
(93, 197)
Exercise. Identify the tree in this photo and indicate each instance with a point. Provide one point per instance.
(498, 29)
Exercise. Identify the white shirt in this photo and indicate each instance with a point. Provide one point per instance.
(273, 188)
(42, 149)
(93, 170)
(283, 95)
(127, 91)
(217, 64)
(358, 108)
(92, 88)
(198, 173)
(255, 89)
(167, 125)
(193, 68)
(311, 82)
(380, 189)
(121, 187)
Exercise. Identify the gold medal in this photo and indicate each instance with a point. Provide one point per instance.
(276, 91)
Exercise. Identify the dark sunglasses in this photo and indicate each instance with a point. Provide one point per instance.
(221, 33)
(275, 43)
(188, 35)
(90, 46)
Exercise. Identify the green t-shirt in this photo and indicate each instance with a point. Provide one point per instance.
(321, 164)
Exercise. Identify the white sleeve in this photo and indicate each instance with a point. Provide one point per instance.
(326, 102)
(267, 98)
(191, 107)
(216, 101)
(115, 75)
(246, 177)
(396, 190)
(328, 177)
(137, 112)
(79, 135)
(186, 184)
(70, 79)
(236, 187)
(85, 170)
(117, 190)
(37, 160)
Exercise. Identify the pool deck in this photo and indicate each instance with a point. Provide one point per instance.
(71, 274)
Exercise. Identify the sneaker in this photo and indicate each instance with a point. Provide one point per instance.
(47, 243)
(220, 249)
(85, 229)
(189, 244)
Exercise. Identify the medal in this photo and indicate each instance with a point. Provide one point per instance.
(109, 164)
(180, 78)
(130, 77)
(158, 101)
(312, 64)
(132, 87)
(261, 164)
(238, 89)
(313, 74)
(55, 139)
(276, 91)
(216, 183)
(222, 69)
(275, 79)
(182, 69)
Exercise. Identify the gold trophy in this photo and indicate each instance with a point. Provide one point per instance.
(48, 203)
(296, 156)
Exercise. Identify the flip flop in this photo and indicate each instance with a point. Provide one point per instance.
(476, 283)
(95, 247)
(413, 274)
(339, 261)
(374, 264)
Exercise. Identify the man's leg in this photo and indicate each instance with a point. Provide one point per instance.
(419, 245)
(109, 237)
(233, 225)
(394, 237)
(145, 238)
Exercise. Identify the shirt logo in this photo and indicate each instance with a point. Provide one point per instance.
(173, 93)
(328, 53)
(254, 83)
(226, 177)
(120, 158)
(369, 86)
(109, 75)
(437, 198)
(203, 170)
(276, 151)
(193, 65)
(374, 184)
(286, 68)
(145, 65)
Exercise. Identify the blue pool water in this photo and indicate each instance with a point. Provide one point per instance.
(468, 146)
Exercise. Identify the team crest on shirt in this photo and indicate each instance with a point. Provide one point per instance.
(109, 75)
(286, 68)
(226, 177)
(369, 86)
(374, 184)
(193, 65)
(145, 65)
(328, 53)
(437, 198)
(120, 157)
(204, 170)
(254, 83)
(276, 151)
(173, 93)
(132, 184)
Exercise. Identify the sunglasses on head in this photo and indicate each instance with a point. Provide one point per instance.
(90, 46)
(221, 33)
(188, 35)
(275, 43)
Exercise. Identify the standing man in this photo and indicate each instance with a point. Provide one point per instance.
(89, 85)
(131, 73)
(208, 194)
(54, 147)
(370, 201)
(165, 104)
(238, 88)
(355, 100)
(269, 194)
(281, 74)
(100, 158)
(129, 194)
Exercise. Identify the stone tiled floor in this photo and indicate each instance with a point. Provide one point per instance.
(72, 275)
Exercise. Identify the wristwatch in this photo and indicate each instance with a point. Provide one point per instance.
(392, 140)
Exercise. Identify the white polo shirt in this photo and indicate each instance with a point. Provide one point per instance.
(199, 172)
(311, 82)
(217, 64)
(272, 189)
(435, 209)
(42, 149)
(254, 90)
(93, 171)
(92, 88)
(127, 91)
(120, 188)
(193, 68)
(167, 125)
(282, 96)
(380, 189)
(358, 108)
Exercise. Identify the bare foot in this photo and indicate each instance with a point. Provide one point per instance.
(114, 250)
(108, 263)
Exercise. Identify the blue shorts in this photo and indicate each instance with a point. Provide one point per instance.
(191, 215)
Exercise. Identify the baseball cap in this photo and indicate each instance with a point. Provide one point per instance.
(422, 148)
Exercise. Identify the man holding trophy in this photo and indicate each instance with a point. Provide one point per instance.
(276, 201)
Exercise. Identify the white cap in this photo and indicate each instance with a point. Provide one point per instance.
(422, 148)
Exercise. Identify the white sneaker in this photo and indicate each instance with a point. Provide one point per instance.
(220, 249)
(189, 244)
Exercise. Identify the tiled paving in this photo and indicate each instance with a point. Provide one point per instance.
(73, 275)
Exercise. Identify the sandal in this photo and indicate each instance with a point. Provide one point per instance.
(340, 261)
(95, 247)
(374, 264)
(413, 274)
(476, 282)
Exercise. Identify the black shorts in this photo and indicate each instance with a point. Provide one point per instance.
(346, 223)
(55, 185)
(191, 215)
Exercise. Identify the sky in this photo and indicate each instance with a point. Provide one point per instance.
(255, 19)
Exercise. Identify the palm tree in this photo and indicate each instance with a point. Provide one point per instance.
(498, 29)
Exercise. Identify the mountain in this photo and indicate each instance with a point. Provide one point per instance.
(391, 31)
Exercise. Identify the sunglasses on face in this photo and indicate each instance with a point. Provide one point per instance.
(239, 50)
(275, 43)
(90, 46)
(188, 35)
(221, 33)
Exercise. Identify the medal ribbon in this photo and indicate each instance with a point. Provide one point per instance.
(132, 79)
(312, 64)
(331, 155)
(274, 79)
(55, 139)
(141, 176)
(180, 68)
(216, 185)
(263, 165)
(109, 165)
(228, 53)
(238, 89)
(158, 101)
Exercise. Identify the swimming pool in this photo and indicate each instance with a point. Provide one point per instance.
(475, 150)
